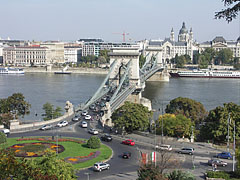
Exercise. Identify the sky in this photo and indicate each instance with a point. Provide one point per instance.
(70, 20)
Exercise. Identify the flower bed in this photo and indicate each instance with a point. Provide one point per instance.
(35, 149)
(48, 139)
(78, 159)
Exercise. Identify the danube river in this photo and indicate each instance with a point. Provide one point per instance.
(39, 88)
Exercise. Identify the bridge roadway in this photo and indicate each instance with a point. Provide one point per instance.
(121, 168)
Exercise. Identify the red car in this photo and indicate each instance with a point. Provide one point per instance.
(129, 142)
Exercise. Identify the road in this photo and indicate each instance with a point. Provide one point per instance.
(196, 164)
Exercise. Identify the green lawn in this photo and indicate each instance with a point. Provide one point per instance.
(72, 149)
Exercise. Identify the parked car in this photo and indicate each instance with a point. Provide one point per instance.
(84, 124)
(106, 137)
(84, 113)
(62, 124)
(5, 131)
(189, 151)
(46, 127)
(218, 162)
(76, 118)
(128, 142)
(88, 117)
(164, 147)
(224, 155)
(126, 155)
(93, 131)
(99, 166)
(92, 107)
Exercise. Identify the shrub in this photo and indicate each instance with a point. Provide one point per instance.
(3, 138)
(94, 142)
(180, 175)
(218, 174)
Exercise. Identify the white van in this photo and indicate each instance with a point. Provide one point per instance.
(164, 147)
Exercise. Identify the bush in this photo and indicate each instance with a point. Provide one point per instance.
(218, 174)
(3, 138)
(180, 175)
(94, 142)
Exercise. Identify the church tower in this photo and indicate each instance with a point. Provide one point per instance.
(191, 35)
(172, 35)
(183, 35)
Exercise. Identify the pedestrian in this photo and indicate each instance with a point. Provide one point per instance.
(215, 167)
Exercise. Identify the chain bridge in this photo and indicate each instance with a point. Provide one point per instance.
(126, 80)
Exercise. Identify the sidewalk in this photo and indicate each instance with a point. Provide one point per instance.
(122, 176)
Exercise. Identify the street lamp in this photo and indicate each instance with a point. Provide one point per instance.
(87, 175)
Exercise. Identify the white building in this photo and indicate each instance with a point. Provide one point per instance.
(26, 55)
(219, 43)
(72, 54)
(169, 47)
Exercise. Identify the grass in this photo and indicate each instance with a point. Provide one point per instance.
(71, 149)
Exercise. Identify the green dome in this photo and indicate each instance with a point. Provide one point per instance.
(183, 30)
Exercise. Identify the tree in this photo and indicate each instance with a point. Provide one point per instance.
(50, 164)
(187, 107)
(3, 138)
(231, 12)
(150, 172)
(50, 113)
(174, 125)
(142, 60)
(104, 53)
(180, 175)
(216, 123)
(94, 142)
(224, 56)
(131, 116)
(180, 62)
(18, 168)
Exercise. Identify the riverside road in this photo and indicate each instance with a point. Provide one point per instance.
(122, 168)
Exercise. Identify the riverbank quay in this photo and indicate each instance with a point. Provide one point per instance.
(72, 70)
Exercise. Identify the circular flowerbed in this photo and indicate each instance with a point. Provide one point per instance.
(35, 149)
(78, 159)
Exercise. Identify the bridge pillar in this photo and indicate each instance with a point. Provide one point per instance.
(123, 56)
(160, 76)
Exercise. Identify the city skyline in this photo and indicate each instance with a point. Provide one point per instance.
(71, 20)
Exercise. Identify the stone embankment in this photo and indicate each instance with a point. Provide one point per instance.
(72, 70)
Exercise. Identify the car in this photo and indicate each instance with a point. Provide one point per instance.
(101, 113)
(224, 155)
(62, 124)
(92, 107)
(76, 118)
(5, 131)
(84, 124)
(164, 147)
(88, 117)
(126, 155)
(189, 151)
(99, 166)
(128, 142)
(46, 127)
(106, 137)
(84, 113)
(93, 131)
(218, 162)
(102, 104)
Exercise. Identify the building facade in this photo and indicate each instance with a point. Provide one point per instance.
(219, 43)
(25, 55)
(72, 54)
(171, 47)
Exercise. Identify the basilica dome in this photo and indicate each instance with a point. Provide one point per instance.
(183, 30)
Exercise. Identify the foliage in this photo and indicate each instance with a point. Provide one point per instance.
(149, 172)
(229, 13)
(175, 126)
(3, 138)
(94, 142)
(180, 175)
(180, 61)
(218, 174)
(16, 168)
(104, 53)
(52, 165)
(131, 116)
(142, 60)
(50, 112)
(187, 107)
(217, 120)
(224, 56)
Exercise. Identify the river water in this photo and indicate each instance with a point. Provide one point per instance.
(39, 88)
